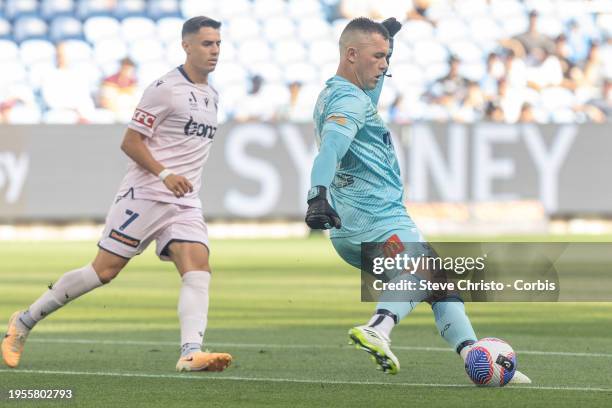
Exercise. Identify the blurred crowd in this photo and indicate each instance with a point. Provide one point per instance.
(545, 61)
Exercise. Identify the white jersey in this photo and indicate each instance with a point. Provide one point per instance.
(179, 120)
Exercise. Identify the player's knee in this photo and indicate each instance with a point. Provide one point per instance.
(108, 274)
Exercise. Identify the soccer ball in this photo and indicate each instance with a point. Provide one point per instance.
(490, 362)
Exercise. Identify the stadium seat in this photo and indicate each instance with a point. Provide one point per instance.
(327, 71)
(514, 25)
(5, 29)
(473, 70)
(268, 70)
(429, 52)
(232, 73)
(192, 8)
(242, 28)
(288, 51)
(175, 55)
(323, 51)
(12, 72)
(401, 52)
(36, 51)
(406, 74)
(157, 9)
(230, 9)
(29, 27)
(451, 29)
(265, 9)
(151, 71)
(485, 28)
(299, 9)
(15, 9)
(550, 26)
(60, 117)
(278, 28)
(503, 9)
(92, 73)
(130, 8)
(435, 71)
(169, 29)
(470, 9)
(64, 28)
(50, 9)
(134, 28)
(101, 27)
(87, 9)
(109, 50)
(77, 51)
(303, 72)
(24, 115)
(145, 50)
(313, 28)
(9, 51)
(36, 72)
(416, 30)
(467, 50)
(252, 51)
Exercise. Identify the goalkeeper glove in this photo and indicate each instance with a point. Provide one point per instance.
(320, 214)
(392, 26)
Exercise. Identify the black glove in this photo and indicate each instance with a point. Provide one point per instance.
(392, 26)
(320, 214)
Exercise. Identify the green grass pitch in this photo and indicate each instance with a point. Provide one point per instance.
(282, 308)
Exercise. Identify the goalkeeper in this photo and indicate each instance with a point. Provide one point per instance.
(357, 166)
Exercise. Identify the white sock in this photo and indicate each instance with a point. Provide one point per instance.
(69, 287)
(193, 307)
(382, 323)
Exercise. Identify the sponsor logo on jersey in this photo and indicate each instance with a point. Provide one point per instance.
(124, 239)
(193, 128)
(393, 246)
(341, 120)
(144, 118)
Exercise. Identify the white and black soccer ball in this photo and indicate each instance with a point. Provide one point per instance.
(491, 362)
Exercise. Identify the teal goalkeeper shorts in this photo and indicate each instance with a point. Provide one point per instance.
(349, 248)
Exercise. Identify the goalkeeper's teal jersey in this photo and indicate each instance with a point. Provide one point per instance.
(367, 190)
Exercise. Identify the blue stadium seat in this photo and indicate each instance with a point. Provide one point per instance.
(29, 27)
(265, 9)
(134, 28)
(19, 8)
(77, 51)
(5, 29)
(169, 29)
(130, 8)
(157, 9)
(253, 50)
(278, 28)
(192, 8)
(64, 28)
(145, 50)
(88, 8)
(50, 9)
(101, 27)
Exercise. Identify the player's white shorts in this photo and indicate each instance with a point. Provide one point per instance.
(132, 224)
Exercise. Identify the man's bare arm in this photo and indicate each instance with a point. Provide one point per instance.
(133, 145)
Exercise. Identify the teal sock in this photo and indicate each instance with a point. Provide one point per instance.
(400, 304)
(453, 324)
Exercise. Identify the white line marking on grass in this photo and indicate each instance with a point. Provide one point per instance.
(296, 346)
(289, 380)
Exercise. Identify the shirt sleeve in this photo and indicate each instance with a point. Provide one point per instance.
(345, 115)
(152, 109)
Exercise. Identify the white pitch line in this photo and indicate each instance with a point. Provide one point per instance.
(296, 346)
(290, 380)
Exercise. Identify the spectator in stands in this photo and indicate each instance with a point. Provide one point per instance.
(119, 92)
(451, 87)
(419, 11)
(297, 108)
(495, 71)
(527, 115)
(579, 42)
(600, 109)
(532, 38)
(66, 91)
(493, 112)
(253, 107)
(472, 107)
